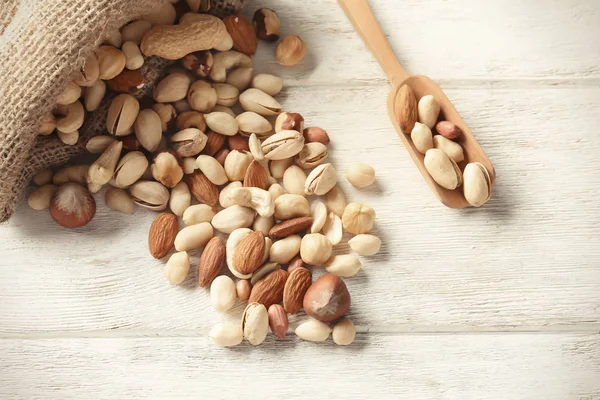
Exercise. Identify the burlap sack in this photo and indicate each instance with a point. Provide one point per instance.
(41, 43)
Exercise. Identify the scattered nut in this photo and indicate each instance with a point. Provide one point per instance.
(290, 51)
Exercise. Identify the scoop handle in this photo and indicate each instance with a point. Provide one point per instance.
(361, 16)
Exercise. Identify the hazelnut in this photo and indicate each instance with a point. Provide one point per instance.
(199, 62)
(167, 168)
(72, 205)
(327, 299)
(316, 134)
(290, 51)
(287, 121)
(267, 24)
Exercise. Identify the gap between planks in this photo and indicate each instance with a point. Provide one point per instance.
(390, 330)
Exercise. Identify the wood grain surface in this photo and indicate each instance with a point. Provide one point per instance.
(494, 303)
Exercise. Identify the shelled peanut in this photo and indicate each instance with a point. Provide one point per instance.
(442, 154)
(249, 177)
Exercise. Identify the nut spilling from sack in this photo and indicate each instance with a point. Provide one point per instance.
(245, 184)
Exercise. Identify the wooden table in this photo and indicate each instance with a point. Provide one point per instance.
(501, 302)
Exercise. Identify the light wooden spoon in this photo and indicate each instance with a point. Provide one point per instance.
(365, 23)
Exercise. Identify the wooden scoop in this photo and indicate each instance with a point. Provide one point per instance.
(365, 23)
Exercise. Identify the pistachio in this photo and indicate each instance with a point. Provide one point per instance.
(282, 145)
(232, 218)
(72, 117)
(344, 332)
(181, 198)
(360, 175)
(119, 200)
(252, 123)
(443, 169)
(198, 214)
(451, 148)
(222, 293)
(212, 169)
(284, 250)
(315, 249)
(189, 142)
(477, 184)
(256, 147)
(240, 78)
(313, 330)
(227, 95)
(199, 62)
(226, 60)
(291, 206)
(202, 96)
(358, 218)
(130, 168)
(122, 113)
(225, 199)
(151, 195)
(255, 323)
(312, 154)
(226, 334)
(429, 110)
(98, 144)
(365, 245)
(321, 180)
(148, 129)
(222, 123)
(335, 200)
(287, 121)
(89, 73)
(257, 199)
(236, 164)
(270, 84)
(293, 180)
(102, 170)
(191, 119)
(177, 267)
(166, 168)
(344, 265)
(193, 236)
(172, 88)
(40, 198)
(422, 137)
(258, 101)
(332, 229)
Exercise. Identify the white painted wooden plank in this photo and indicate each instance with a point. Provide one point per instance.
(528, 260)
(515, 366)
(553, 41)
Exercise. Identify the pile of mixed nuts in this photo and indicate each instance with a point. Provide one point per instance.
(442, 153)
(214, 132)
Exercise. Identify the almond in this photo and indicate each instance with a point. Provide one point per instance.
(249, 253)
(295, 288)
(127, 82)
(202, 188)
(214, 143)
(296, 263)
(269, 290)
(406, 109)
(162, 234)
(256, 176)
(211, 261)
(278, 320)
(243, 34)
(290, 227)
